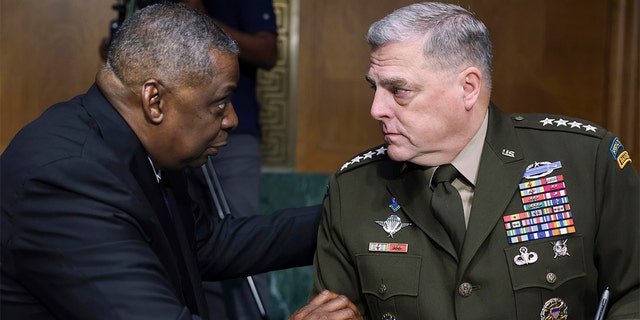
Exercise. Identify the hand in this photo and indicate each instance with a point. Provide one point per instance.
(330, 306)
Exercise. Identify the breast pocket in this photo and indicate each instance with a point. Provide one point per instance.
(390, 284)
(548, 276)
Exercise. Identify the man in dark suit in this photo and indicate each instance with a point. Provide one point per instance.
(96, 219)
(538, 217)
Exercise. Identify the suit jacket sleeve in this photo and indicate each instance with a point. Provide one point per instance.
(237, 247)
(79, 250)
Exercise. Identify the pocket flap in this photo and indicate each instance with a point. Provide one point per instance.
(546, 263)
(388, 275)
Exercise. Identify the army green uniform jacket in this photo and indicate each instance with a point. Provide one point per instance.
(554, 221)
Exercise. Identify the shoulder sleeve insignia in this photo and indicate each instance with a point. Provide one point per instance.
(618, 153)
(558, 123)
(376, 153)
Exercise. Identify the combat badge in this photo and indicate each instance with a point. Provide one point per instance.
(392, 225)
(541, 169)
(554, 309)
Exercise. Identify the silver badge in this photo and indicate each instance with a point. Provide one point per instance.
(560, 248)
(540, 169)
(392, 225)
(525, 257)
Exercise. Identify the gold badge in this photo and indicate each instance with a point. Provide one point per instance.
(623, 159)
(554, 309)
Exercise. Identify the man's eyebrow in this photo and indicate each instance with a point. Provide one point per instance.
(369, 79)
(393, 82)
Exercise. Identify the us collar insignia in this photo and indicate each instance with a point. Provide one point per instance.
(394, 205)
(392, 225)
(541, 169)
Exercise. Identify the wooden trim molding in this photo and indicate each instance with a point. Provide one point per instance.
(276, 92)
(623, 86)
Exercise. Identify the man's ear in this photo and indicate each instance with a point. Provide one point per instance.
(151, 97)
(471, 79)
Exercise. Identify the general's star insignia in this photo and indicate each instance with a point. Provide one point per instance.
(392, 225)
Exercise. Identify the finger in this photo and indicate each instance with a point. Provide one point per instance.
(338, 307)
(317, 301)
(323, 302)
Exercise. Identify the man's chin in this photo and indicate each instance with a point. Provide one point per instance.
(396, 153)
(198, 162)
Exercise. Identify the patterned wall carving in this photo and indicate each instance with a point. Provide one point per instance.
(275, 89)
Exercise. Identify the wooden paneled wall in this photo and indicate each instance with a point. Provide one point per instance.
(572, 57)
(49, 52)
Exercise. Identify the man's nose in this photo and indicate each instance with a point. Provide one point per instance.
(230, 118)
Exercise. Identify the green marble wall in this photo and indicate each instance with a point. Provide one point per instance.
(289, 288)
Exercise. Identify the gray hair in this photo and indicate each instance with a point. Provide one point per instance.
(454, 37)
(169, 42)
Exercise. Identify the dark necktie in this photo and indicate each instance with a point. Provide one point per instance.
(165, 195)
(447, 204)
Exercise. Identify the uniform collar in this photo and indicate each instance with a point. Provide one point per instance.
(468, 160)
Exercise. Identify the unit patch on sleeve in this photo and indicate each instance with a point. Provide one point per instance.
(618, 153)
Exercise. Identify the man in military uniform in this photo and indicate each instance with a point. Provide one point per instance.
(538, 217)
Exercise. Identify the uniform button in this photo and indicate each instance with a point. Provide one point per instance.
(388, 316)
(519, 118)
(382, 289)
(551, 278)
(465, 289)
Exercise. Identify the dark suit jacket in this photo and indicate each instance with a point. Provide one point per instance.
(86, 233)
(426, 279)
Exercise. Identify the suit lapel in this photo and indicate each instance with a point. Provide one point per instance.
(168, 237)
(183, 222)
(164, 235)
(410, 189)
(500, 171)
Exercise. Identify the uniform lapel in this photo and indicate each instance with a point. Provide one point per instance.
(410, 189)
(501, 169)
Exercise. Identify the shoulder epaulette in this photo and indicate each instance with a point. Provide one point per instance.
(557, 123)
(368, 156)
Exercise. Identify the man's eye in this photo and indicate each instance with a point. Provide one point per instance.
(398, 91)
(223, 104)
